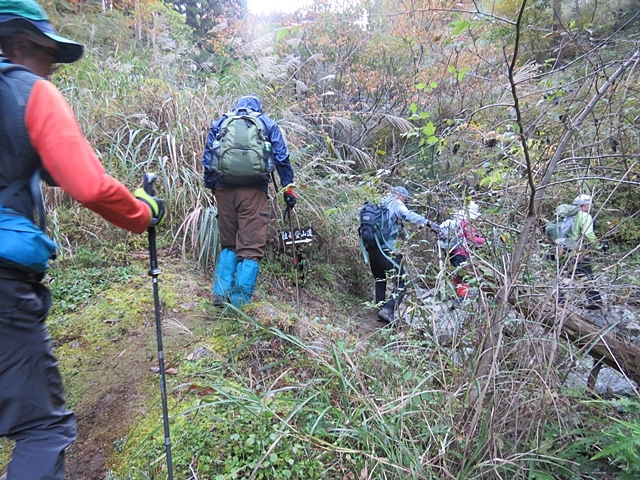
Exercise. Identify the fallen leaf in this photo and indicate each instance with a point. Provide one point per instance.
(168, 371)
(200, 390)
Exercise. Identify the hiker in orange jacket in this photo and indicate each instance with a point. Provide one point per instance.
(39, 133)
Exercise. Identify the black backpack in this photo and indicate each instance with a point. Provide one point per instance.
(374, 224)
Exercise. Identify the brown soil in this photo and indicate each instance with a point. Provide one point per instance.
(122, 384)
(125, 385)
(104, 417)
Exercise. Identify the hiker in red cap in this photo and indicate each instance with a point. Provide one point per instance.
(39, 135)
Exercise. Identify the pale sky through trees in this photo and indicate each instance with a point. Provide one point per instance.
(259, 7)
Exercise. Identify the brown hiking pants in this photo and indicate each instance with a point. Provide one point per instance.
(243, 220)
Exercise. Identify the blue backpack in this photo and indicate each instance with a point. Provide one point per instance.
(24, 246)
(375, 225)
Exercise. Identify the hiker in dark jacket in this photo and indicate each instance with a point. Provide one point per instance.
(386, 261)
(243, 216)
(38, 131)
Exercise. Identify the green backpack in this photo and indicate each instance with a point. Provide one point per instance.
(560, 227)
(246, 154)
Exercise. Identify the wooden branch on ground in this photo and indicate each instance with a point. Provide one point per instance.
(607, 345)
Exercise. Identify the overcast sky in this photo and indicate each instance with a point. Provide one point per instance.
(266, 6)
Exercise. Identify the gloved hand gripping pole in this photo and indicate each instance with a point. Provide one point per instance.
(154, 271)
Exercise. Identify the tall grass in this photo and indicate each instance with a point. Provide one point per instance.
(395, 409)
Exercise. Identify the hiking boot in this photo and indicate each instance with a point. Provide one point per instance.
(385, 315)
(591, 306)
(218, 301)
(594, 300)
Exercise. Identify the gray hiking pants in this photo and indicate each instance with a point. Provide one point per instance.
(32, 406)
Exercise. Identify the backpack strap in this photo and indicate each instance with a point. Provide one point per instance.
(363, 249)
(9, 67)
(36, 193)
(384, 249)
(381, 246)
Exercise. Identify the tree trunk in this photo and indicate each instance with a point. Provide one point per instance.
(557, 15)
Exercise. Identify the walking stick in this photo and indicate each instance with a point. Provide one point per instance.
(295, 257)
(154, 271)
(287, 212)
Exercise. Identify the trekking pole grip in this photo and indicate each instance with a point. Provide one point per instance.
(147, 182)
(147, 185)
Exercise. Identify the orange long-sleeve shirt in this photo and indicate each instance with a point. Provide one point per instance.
(72, 163)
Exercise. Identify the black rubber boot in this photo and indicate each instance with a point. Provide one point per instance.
(381, 292)
(594, 300)
(387, 312)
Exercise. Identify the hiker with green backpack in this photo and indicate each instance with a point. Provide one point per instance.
(380, 226)
(39, 136)
(244, 147)
(572, 231)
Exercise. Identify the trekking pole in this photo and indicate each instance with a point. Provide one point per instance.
(295, 257)
(293, 242)
(154, 271)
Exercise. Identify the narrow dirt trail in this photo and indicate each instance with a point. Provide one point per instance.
(116, 387)
(119, 393)
(121, 390)
(120, 385)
